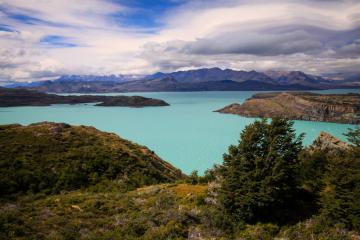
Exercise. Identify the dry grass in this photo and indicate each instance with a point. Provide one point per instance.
(186, 189)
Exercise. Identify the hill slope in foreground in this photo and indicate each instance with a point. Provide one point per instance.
(73, 182)
(23, 97)
(52, 157)
(340, 108)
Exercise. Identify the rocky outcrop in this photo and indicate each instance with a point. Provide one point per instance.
(339, 108)
(329, 143)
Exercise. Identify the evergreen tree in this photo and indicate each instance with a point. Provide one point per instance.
(353, 135)
(260, 174)
(340, 198)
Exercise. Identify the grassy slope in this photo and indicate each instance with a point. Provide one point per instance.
(77, 182)
(51, 157)
(153, 212)
(166, 211)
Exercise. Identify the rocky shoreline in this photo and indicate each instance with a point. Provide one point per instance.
(338, 108)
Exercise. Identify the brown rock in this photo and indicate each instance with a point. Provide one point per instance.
(326, 141)
(339, 108)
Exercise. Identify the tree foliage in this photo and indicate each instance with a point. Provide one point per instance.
(260, 173)
(353, 136)
(340, 197)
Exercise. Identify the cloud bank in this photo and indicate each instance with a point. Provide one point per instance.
(44, 39)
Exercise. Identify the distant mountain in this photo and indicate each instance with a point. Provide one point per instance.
(215, 74)
(104, 78)
(345, 77)
(206, 79)
(164, 84)
(297, 77)
(74, 86)
(24, 84)
(79, 79)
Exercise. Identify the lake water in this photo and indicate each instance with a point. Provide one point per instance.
(187, 134)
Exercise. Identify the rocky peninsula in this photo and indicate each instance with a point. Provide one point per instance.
(338, 108)
(23, 97)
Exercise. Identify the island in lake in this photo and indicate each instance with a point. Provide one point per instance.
(339, 108)
(23, 97)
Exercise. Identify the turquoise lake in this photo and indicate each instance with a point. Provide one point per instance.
(187, 134)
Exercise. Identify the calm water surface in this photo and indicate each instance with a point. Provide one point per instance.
(188, 133)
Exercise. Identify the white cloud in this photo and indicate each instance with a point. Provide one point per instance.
(76, 13)
(261, 35)
(240, 34)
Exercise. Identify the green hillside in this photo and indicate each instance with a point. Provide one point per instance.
(74, 182)
(51, 157)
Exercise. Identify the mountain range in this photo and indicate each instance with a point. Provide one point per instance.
(205, 79)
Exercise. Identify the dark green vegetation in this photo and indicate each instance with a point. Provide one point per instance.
(268, 178)
(341, 185)
(269, 187)
(51, 157)
(22, 97)
(260, 173)
(340, 108)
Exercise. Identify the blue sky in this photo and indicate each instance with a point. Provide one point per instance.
(57, 41)
(147, 14)
(45, 39)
